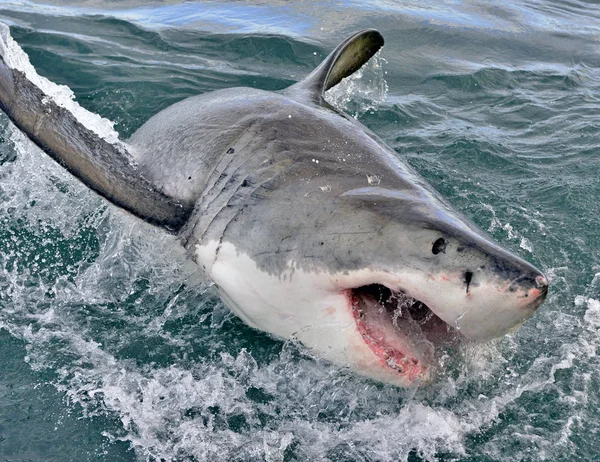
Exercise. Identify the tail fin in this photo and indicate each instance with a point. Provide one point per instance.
(94, 155)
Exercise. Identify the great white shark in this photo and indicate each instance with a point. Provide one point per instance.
(308, 224)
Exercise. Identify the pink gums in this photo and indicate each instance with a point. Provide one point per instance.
(375, 336)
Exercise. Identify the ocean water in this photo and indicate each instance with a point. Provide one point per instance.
(113, 348)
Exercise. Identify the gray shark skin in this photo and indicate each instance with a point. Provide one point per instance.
(307, 223)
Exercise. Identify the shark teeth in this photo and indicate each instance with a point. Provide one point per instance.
(384, 321)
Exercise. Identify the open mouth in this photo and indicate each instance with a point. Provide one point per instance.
(402, 331)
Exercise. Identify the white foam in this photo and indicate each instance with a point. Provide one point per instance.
(43, 182)
(592, 313)
(525, 244)
(63, 96)
(204, 410)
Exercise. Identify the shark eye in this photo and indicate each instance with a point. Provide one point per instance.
(439, 246)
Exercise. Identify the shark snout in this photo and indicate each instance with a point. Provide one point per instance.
(536, 292)
(534, 288)
(541, 284)
(485, 300)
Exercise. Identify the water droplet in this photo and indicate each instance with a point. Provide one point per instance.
(373, 180)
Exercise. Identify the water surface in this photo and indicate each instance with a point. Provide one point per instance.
(113, 348)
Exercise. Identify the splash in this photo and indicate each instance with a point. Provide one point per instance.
(524, 243)
(63, 96)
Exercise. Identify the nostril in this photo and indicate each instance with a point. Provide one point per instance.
(468, 278)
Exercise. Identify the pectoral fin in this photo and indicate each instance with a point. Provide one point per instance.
(103, 166)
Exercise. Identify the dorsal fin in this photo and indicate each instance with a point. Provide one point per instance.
(346, 59)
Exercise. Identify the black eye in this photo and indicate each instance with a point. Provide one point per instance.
(439, 246)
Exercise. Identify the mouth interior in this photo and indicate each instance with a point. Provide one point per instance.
(402, 331)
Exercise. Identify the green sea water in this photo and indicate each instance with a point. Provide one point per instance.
(113, 348)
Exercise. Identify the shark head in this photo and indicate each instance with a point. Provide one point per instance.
(430, 278)
(441, 259)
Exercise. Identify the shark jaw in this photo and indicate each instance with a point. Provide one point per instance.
(400, 330)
